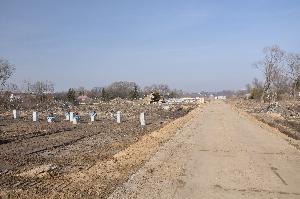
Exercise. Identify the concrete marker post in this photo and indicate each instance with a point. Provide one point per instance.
(119, 117)
(67, 114)
(71, 116)
(35, 116)
(93, 117)
(75, 121)
(142, 119)
(16, 114)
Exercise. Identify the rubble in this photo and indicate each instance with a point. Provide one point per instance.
(283, 115)
(285, 111)
(154, 97)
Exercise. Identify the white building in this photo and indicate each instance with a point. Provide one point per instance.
(220, 97)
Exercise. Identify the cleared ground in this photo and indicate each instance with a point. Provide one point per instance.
(215, 151)
(220, 153)
(283, 115)
(40, 160)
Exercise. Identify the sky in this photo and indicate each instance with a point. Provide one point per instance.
(191, 45)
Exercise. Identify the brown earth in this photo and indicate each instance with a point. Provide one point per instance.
(215, 151)
(220, 153)
(47, 160)
(284, 115)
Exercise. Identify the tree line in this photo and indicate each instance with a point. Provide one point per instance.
(121, 89)
(42, 89)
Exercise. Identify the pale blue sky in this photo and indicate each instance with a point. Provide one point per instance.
(191, 45)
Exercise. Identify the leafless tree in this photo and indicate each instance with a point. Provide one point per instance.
(293, 72)
(121, 89)
(273, 69)
(26, 86)
(176, 93)
(6, 71)
(81, 90)
(11, 87)
(42, 87)
(96, 92)
(37, 87)
(162, 89)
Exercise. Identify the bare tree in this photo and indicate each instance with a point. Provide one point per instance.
(148, 89)
(162, 89)
(176, 93)
(42, 87)
(273, 69)
(6, 71)
(293, 72)
(11, 87)
(121, 89)
(96, 92)
(26, 86)
(81, 90)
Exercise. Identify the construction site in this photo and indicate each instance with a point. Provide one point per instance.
(40, 156)
(150, 99)
(93, 158)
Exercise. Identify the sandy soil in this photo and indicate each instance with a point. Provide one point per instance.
(219, 153)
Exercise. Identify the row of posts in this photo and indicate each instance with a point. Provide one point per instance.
(74, 118)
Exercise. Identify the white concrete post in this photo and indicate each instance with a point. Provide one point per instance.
(92, 118)
(67, 116)
(35, 116)
(71, 116)
(75, 121)
(16, 114)
(142, 119)
(119, 117)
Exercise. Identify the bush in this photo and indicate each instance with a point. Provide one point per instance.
(256, 93)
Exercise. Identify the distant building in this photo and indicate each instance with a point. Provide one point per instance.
(184, 100)
(220, 97)
(83, 99)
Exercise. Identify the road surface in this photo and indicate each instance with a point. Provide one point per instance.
(220, 153)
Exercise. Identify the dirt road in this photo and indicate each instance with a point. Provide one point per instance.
(220, 153)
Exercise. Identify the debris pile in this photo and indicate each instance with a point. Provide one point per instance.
(285, 111)
(283, 115)
(154, 97)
